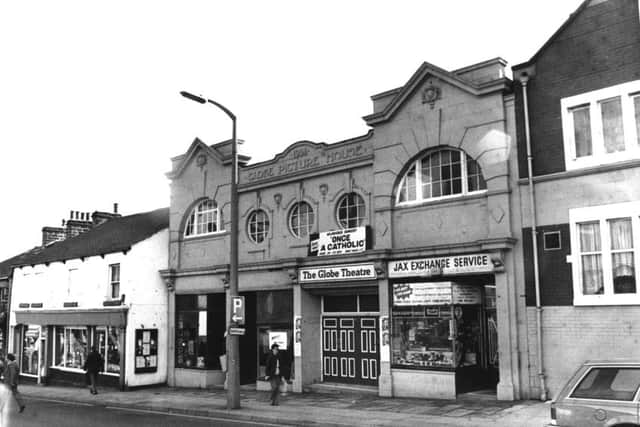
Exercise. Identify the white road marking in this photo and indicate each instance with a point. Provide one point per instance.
(230, 420)
(66, 402)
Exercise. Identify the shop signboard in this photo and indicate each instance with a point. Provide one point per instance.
(339, 242)
(435, 293)
(441, 266)
(337, 273)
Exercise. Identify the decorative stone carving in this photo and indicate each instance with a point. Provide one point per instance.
(324, 189)
(201, 160)
(431, 94)
(277, 198)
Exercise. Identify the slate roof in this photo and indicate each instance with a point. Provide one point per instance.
(115, 235)
(5, 266)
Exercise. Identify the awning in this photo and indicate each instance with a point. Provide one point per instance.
(95, 317)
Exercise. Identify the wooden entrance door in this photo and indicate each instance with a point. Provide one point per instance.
(350, 350)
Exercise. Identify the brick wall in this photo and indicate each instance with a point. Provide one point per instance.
(572, 335)
(556, 285)
(600, 48)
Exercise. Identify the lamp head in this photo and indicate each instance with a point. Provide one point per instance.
(193, 97)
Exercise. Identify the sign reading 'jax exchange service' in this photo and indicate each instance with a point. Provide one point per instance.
(448, 265)
(340, 242)
(337, 273)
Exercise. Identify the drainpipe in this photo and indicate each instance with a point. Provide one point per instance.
(524, 79)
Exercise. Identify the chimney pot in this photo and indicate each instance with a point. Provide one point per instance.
(63, 221)
(70, 214)
(115, 208)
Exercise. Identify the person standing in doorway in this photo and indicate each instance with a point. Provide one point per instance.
(274, 373)
(11, 374)
(93, 365)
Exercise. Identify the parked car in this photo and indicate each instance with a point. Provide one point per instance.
(603, 393)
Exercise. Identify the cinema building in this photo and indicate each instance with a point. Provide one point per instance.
(384, 262)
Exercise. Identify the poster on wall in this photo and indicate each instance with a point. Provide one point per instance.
(340, 242)
(278, 337)
(146, 351)
(435, 293)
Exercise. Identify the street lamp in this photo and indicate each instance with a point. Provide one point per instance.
(233, 348)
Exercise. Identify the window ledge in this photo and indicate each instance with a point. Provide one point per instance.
(451, 200)
(606, 300)
(627, 164)
(216, 235)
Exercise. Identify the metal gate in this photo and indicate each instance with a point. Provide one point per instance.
(350, 350)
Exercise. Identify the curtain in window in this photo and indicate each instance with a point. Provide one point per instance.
(612, 130)
(622, 262)
(582, 131)
(590, 247)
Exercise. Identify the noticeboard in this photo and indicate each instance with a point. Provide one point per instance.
(146, 356)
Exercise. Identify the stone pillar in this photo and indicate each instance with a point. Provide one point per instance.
(506, 304)
(297, 347)
(171, 331)
(385, 381)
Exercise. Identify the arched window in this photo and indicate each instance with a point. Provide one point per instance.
(441, 174)
(258, 226)
(204, 219)
(350, 211)
(301, 219)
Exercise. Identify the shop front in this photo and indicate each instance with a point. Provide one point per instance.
(444, 332)
(53, 345)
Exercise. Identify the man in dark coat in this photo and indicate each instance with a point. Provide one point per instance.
(93, 365)
(274, 371)
(11, 374)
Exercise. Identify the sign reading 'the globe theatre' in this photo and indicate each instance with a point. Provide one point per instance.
(337, 273)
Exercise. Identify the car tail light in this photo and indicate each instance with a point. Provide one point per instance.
(553, 413)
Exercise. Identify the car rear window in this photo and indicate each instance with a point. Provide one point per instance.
(609, 384)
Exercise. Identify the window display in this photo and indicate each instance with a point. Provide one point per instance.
(30, 354)
(107, 344)
(70, 347)
(421, 337)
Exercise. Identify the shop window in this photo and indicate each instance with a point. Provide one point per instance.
(258, 226)
(204, 219)
(602, 126)
(350, 211)
(605, 255)
(30, 349)
(114, 281)
(106, 341)
(199, 331)
(440, 174)
(301, 219)
(70, 347)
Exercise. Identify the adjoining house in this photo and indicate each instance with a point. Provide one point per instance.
(391, 260)
(578, 107)
(100, 288)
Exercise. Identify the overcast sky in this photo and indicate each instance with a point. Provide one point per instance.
(90, 110)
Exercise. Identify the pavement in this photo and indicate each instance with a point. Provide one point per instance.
(337, 408)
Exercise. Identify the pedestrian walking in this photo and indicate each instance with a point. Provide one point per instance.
(11, 374)
(93, 365)
(274, 370)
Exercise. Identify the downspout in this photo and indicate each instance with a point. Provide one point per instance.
(524, 79)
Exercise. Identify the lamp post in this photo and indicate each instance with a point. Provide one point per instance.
(233, 348)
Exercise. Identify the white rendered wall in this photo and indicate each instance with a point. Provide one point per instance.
(140, 281)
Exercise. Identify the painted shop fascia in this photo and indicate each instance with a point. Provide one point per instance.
(314, 296)
(102, 289)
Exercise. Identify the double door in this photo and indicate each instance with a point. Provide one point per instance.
(350, 349)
